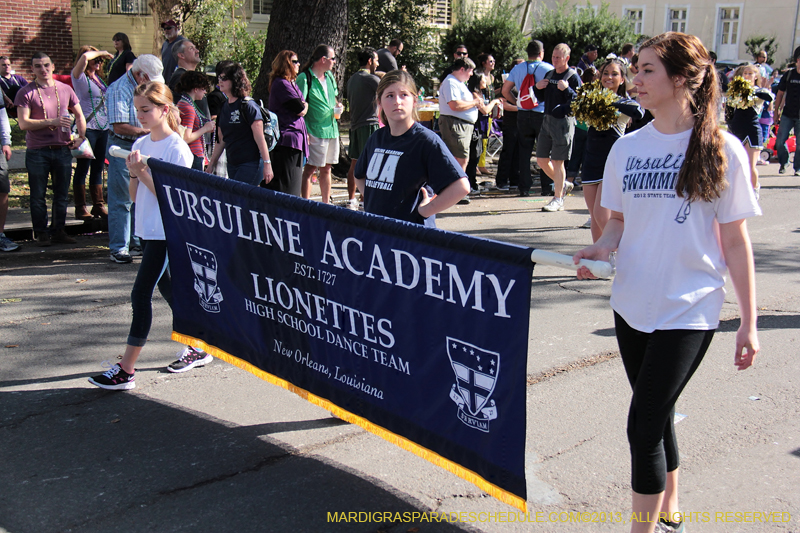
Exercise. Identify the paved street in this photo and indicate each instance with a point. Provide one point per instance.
(218, 449)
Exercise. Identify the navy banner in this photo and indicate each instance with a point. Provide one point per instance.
(418, 335)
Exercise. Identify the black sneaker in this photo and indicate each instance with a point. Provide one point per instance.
(121, 257)
(782, 170)
(135, 251)
(189, 358)
(524, 194)
(114, 379)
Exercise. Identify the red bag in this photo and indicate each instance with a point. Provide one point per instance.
(526, 99)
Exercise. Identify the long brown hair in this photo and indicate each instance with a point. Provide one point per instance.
(282, 67)
(160, 95)
(702, 176)
(404, 78)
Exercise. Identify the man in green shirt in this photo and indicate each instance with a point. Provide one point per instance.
(320, 91)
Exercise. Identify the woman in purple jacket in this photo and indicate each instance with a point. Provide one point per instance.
(286, 101)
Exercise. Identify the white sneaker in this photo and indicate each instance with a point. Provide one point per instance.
(352, 204)
(556, 204)
(568, 186)
(588, 223)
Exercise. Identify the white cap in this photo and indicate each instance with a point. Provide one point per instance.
(150, 65)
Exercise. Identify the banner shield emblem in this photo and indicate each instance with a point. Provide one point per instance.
(204, 266)
(476, 373)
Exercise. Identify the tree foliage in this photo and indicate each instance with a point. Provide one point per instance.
(219, 30)
(494, 32)
(376, 22)
(579, 28)
(756, 43)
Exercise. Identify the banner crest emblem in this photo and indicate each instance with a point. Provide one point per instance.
(204, 266)
(477, 371)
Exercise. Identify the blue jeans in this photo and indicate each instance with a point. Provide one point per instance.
(765, 132)
(97, 139)
(251, 172)
(42, 163)
(154, 270)
(120, 214)
(784, 130)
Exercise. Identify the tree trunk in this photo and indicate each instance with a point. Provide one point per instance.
(301, 25)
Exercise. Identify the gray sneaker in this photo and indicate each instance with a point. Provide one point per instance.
(6, 244)
(568, 186)
(556, 204)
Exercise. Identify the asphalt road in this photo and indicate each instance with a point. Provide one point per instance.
(217, 449)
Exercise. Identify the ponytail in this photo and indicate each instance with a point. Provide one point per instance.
(702, 176)
(320, 51)
(173, 117)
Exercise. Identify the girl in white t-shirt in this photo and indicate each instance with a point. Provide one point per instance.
(156, 112)
(679, 193)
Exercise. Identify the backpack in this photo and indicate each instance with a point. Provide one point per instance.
(527, 100)
(272, 132)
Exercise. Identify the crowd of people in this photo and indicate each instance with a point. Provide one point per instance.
(667, 104)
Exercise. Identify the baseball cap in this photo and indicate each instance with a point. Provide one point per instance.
(168, 23)
(591, 48)
(150, 65)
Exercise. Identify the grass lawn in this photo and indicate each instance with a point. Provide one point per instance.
(20, 194)
(17, 135)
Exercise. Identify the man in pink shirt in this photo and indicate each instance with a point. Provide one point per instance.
(43, 111)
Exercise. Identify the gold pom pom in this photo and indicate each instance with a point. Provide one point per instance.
(741, 94)
(594, 106)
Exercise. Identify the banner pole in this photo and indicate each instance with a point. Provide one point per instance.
(600, 269)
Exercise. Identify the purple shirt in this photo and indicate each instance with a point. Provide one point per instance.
(292, 126)
(54, 106)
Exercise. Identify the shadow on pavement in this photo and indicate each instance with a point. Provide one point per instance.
(89, 460)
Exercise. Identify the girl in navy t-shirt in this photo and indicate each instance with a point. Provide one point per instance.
(406, 171)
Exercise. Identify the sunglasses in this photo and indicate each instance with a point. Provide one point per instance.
(222, 78)
(331, 59)
(462, 54)
(296, 61)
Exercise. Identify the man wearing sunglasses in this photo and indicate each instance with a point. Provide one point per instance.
(460, 53)
(320, 90)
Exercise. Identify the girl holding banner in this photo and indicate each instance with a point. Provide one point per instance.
(406, 171)
(675, 237)
(156, 112)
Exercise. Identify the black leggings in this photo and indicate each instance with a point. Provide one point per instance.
(659, 365)
(153, 270)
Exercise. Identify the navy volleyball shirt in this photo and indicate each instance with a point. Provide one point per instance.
(395, 169)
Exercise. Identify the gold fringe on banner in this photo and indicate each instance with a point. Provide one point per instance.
(433, 457)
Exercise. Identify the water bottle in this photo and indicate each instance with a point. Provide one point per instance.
(65, 113)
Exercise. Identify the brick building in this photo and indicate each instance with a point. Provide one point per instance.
(36, 25)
